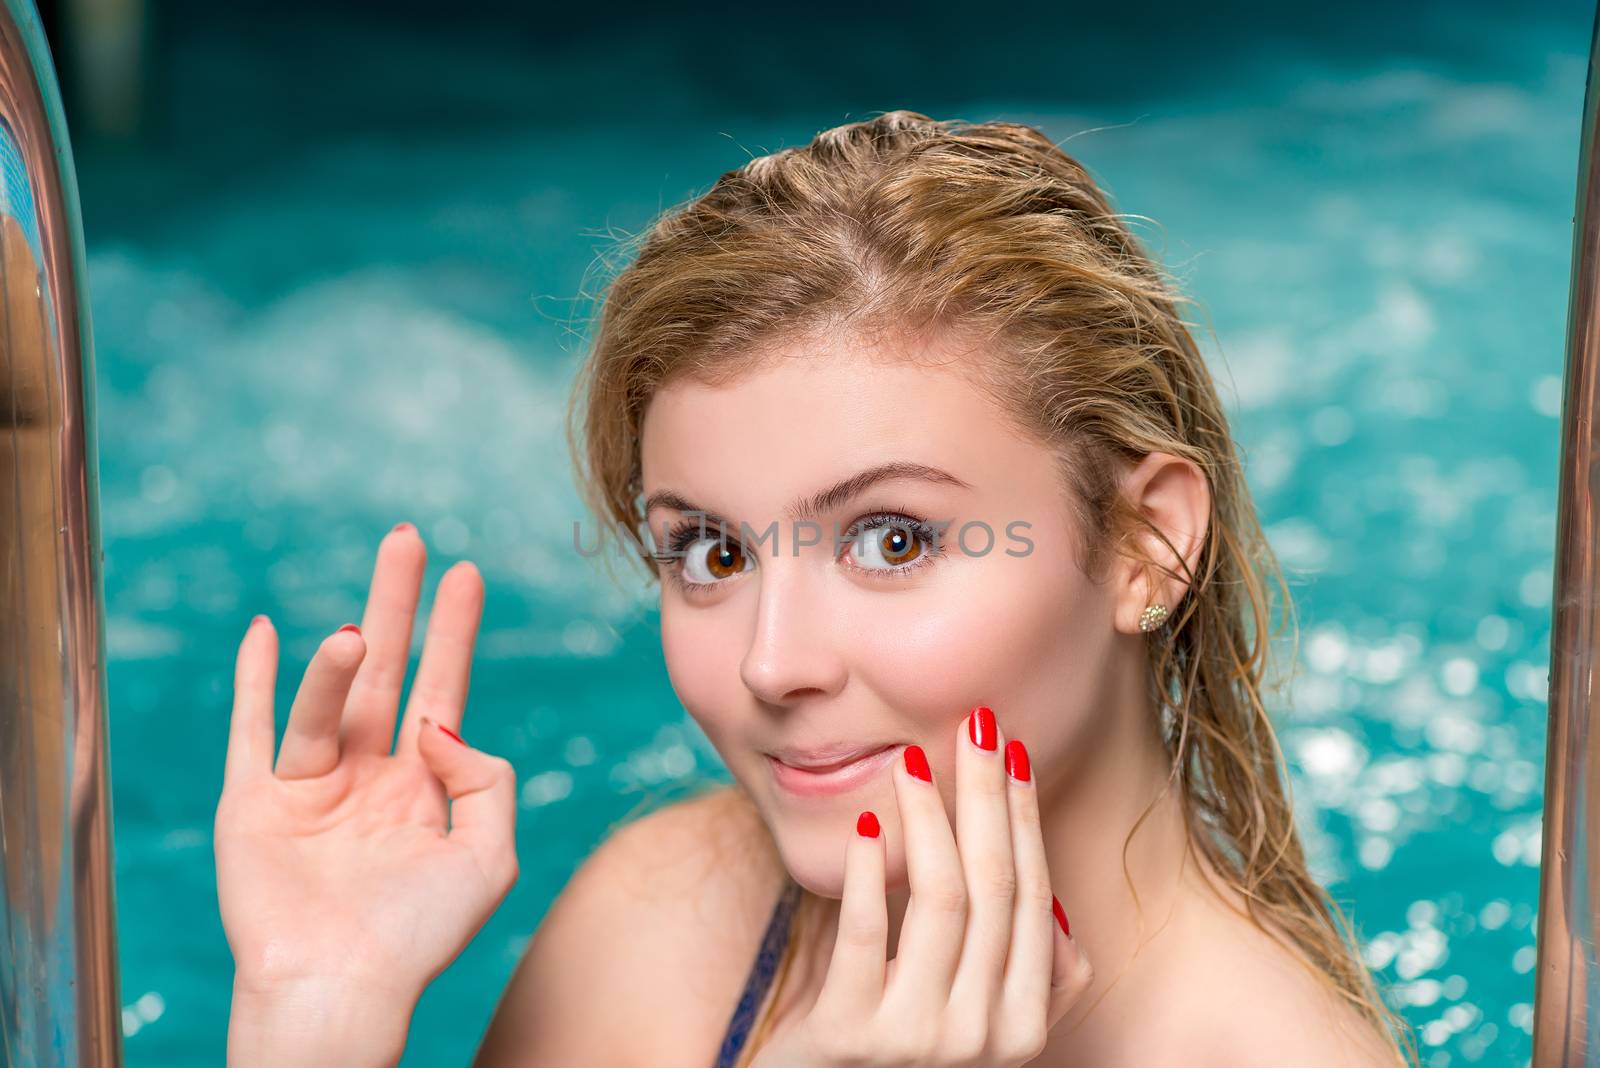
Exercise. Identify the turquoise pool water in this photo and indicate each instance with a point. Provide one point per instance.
(308, 331)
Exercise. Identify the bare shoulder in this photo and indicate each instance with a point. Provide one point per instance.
(1297, 1017)
(1231, 990)
(1300, 1024)
(646, 947)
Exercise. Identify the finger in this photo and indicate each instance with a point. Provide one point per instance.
(983, 837)
(483, 799)
(368, 724)
(853, 986)
(1037, 941)
(311, 739)
(440, 689)
(1071, 973)
(936, 914)
(252, 727)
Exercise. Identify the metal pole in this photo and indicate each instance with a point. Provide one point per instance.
(59, 998)
(1567, 983)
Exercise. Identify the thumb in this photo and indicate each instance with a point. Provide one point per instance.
(1071, 974)
(483, 799)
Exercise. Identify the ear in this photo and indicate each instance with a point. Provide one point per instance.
(1174, 495)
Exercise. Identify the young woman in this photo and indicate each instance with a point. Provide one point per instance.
(960, 575)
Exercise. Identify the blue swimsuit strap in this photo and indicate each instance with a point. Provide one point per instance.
(760, 978)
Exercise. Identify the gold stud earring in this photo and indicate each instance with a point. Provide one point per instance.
(1152, 617)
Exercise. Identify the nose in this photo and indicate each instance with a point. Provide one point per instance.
(795, 649)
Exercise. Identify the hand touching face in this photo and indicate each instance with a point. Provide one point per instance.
(888, 642)
(985, 965)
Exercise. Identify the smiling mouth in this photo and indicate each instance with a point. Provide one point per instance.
(834, 765)
(836, 777)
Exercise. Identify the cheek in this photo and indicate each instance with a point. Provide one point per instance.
(1011, 633)
(702, 657)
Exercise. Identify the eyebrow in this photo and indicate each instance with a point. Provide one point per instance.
(829, 499)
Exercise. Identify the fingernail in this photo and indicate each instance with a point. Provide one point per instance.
(867, 825)
(1061, 915)
(980, 727)
(917, 763)
(255, 620)
(348, 626)
(402, 526)
(1017, 760)
(427, 722)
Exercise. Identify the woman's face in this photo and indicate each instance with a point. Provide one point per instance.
(882, 643)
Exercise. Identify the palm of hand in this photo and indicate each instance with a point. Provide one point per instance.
(341, 861)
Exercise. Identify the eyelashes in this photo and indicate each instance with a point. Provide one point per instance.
(689, 532)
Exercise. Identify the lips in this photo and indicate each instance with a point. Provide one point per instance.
(837, 776)
(825, 762)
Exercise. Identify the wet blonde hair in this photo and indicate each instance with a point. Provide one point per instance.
(907, 226)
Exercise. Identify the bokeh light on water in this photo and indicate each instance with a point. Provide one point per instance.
(319, 336)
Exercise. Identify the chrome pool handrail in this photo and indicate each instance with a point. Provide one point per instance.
(1567, 978)
(59, 989)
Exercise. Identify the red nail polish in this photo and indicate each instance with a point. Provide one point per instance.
(1017, 761)
(1061, 915)
(348, 626)
(867, 825)
(917, 763)
(450, 732)
(980, 727)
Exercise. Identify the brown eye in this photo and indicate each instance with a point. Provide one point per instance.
(885, 546)
(711, 560)
(898, 545)
(723, 559)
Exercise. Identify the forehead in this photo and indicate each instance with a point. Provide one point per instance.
(816, 412)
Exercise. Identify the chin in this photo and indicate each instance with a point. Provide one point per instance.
(815, 855)
(812, 834)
